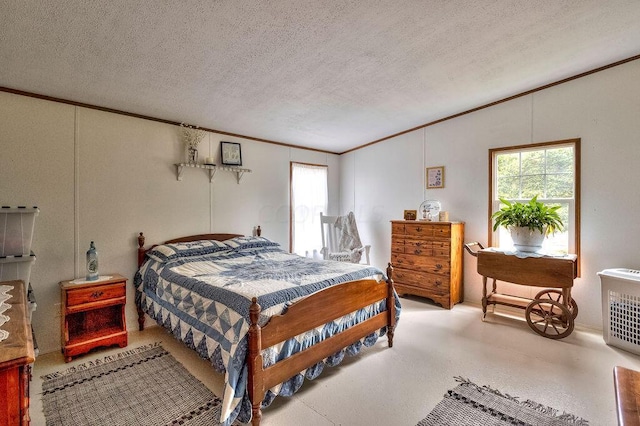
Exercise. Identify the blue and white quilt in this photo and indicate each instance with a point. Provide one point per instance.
(202, 292)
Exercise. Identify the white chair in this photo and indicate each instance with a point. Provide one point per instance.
(340, 239)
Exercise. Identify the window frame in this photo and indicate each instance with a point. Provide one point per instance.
(577, 185)
(291, 197)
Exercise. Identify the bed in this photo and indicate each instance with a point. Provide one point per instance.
(244, 303)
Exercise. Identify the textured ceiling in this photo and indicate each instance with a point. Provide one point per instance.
(331, 75)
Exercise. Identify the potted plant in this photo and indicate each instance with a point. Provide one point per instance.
(529, 223)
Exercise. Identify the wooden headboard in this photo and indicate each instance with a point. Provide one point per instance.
(218, 237)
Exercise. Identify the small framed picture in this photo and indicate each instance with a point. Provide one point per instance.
(230, 154)
(410, 214)
(435, 177)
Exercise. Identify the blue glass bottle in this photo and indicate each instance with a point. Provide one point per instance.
(92, 263)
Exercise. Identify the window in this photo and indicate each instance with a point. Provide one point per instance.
(309, 197)
(550, 170)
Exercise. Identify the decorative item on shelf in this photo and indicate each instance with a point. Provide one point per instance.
(430, 210)
(258, 231)
(92, 263)
(191, 136)
(210, 161)
(435, 177)
(529, 223)
(231, 154)
(410, 214)
(443, 217)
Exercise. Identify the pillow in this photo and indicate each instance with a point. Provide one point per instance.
(240, 243)
(167, 252)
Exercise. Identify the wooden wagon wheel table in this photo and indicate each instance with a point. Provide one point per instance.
(551, 313)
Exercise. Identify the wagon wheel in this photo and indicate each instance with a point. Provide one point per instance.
(549, 318)
(557, 296)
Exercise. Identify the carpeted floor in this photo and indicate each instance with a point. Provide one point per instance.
(142, 386)
(469, 405)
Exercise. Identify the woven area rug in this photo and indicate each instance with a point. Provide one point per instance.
(142, 386)
(469, 405)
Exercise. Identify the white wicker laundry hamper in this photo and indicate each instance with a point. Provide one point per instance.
(621, 308)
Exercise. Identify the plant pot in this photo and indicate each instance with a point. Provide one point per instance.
(525, 239)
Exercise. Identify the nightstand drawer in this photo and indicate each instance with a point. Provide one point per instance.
(95, 294)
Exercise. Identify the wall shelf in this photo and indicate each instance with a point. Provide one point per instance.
(212, 170)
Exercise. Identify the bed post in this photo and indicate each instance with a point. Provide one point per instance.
(141, 250)
(254, 364)
(141, 253)
(391, 306)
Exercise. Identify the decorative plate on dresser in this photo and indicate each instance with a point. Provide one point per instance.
(427, 260)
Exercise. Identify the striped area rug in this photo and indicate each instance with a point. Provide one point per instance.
(142, 386)
(471, 405)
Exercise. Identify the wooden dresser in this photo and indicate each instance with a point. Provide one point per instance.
(427, 259)
(16, 355)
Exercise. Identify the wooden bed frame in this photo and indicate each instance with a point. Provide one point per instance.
(326, 305)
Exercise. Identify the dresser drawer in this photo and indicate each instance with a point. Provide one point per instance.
(418, 247)
(442, 231)
(397, 246)
(427, 230)
(95, 294)
(421, 279)
(421, 263)
(419, 229)
(422, 247)
(441, 248)
(397, 228)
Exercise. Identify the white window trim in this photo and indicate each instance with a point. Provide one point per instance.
(574, 204)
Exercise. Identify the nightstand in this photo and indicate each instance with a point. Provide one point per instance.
(93, 314)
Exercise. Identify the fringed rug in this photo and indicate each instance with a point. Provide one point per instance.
(142, 386)
(469, 405)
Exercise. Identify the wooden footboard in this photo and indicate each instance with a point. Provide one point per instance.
(326, 305)
(311, 312)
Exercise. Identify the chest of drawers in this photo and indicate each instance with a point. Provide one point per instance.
(427, 260)
(16, 355)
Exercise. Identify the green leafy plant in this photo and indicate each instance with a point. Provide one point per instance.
(532, 215)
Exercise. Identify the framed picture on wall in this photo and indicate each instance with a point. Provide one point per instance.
(230, 154)
(435, 177)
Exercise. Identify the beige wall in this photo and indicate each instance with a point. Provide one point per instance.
(602, 109)
(105, 177)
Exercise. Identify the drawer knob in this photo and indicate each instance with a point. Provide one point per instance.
(438, 266)
(418, 251)
(418, 244)
(96, 294)
(418, 229)
(438, 283)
